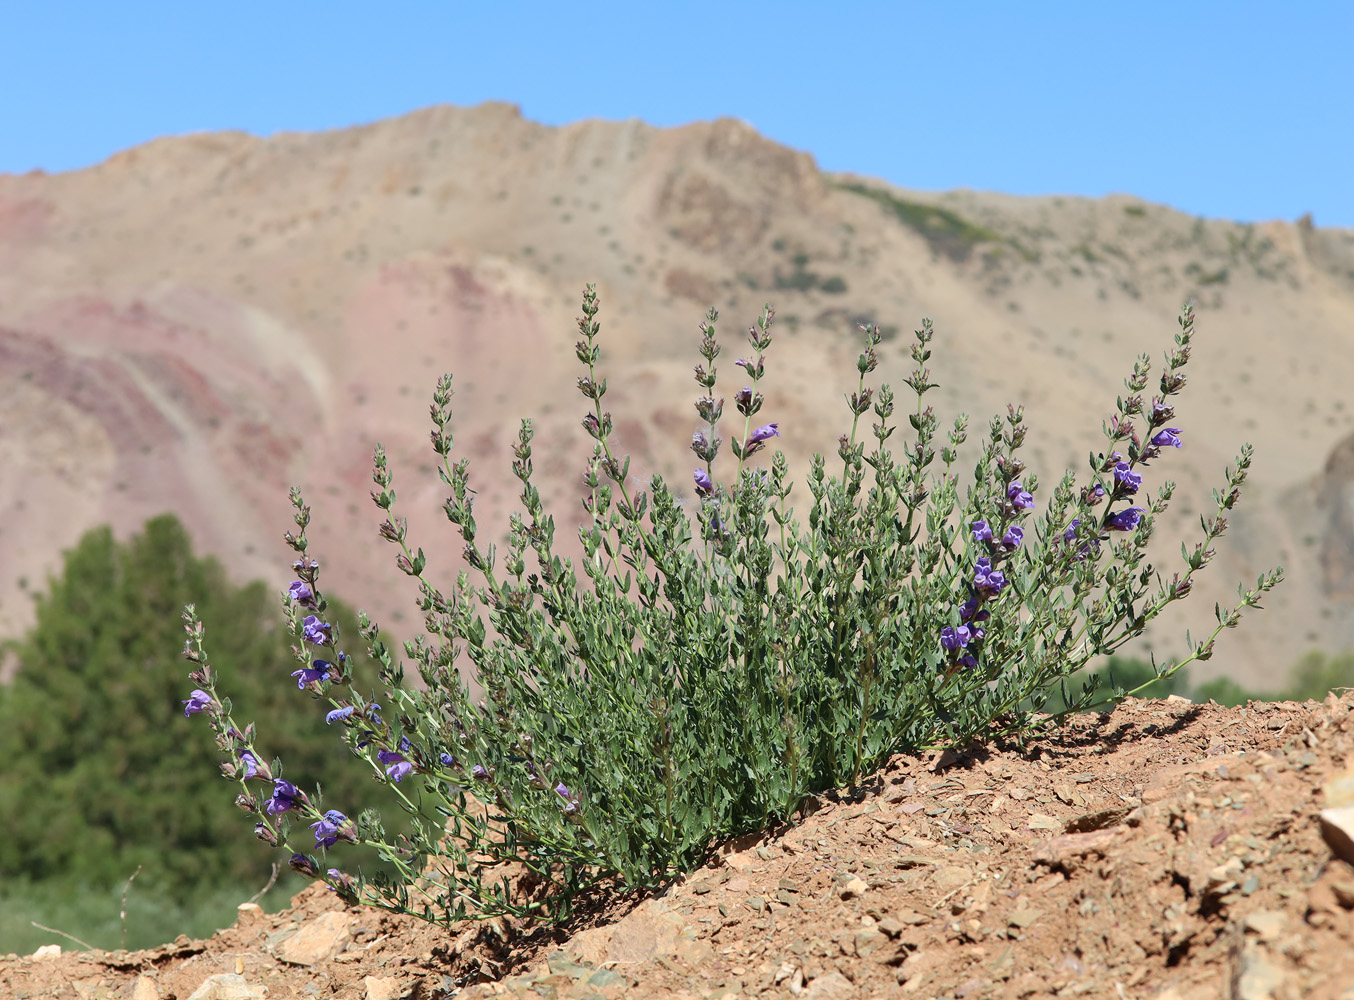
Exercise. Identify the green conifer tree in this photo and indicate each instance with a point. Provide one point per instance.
(99, 769)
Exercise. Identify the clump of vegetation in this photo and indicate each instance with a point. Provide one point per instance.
(801, 279)
(947, 232)
(714, 669)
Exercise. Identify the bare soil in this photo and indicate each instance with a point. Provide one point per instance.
(1166, 850)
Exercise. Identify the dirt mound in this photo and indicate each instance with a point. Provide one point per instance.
(1165, 850)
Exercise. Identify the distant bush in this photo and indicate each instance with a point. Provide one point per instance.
(947, 232)
(99, 772)
(1317, 674)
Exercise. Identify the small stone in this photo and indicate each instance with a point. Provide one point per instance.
(1337, 827)
(1339, 790)
(248, 914)
(383, 988)
(831, 986)
(603, 978)
(47, 953)
(852, 889)
(319, 939)
(1022, 918)
(1267, 924)
(227, 986)
(868, 941)
(1344, 893)
(145, 989)
(1038, 821)
(891, 926)
(561, 965)
(1259, 979)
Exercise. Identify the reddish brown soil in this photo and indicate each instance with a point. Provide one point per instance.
(1167, 850)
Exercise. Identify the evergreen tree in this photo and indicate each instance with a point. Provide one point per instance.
(99, 769)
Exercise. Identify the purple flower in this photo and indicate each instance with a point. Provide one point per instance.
(1071, 530)
(969, 610)
(1128, 481)
(1125, 520)
(986, 579)
(253, 767)
(339, 713)
(1013, 537)
(764, 432)
(317, 671)
(304, 865)
(954, 638)
(399, 767)
(301, 594)
(448, 760)
(327, 829)
(317, 631)
(1018, 497)
(198, 701)
(981, 531)
(570, 799)
(479, 772)
(1167, 437)
(967, 661)
(1162, 411)
(285, 796)
(703, 485)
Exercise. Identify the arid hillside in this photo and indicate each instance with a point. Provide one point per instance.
(202, 321)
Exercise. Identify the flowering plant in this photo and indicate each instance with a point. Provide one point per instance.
(710, 678)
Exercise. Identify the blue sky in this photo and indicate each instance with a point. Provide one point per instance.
(1234, 110)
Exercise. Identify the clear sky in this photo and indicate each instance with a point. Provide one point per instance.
(1237, 110)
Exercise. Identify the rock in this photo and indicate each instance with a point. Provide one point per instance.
(384, 988)
(319, 939)
(1061, 850)
(1258, 978)
(868, 940)
(47, 953)
(228, 986)
(1267, 924)
(1339, 790)
(830, 986)
(247, 915)
(851, 889)
(145, 989)
(646, 932)
(1337, 827)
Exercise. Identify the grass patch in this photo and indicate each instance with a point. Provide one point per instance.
(947, 232)
(94, 915)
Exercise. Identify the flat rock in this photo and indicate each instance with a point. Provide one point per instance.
(227, 986)
(145, 988)
(829, 986)
(1339, 790)
(319, 939)
(384, 988)
(1337, 828)
(645, 933)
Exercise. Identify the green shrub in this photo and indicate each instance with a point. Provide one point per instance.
(711, 674)
(947, 232)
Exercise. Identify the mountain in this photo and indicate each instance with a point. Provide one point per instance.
(199, 322)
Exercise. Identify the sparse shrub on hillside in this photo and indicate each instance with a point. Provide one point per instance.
(947, 232)
(1317, 674)
(717, 667)
(99, 771)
